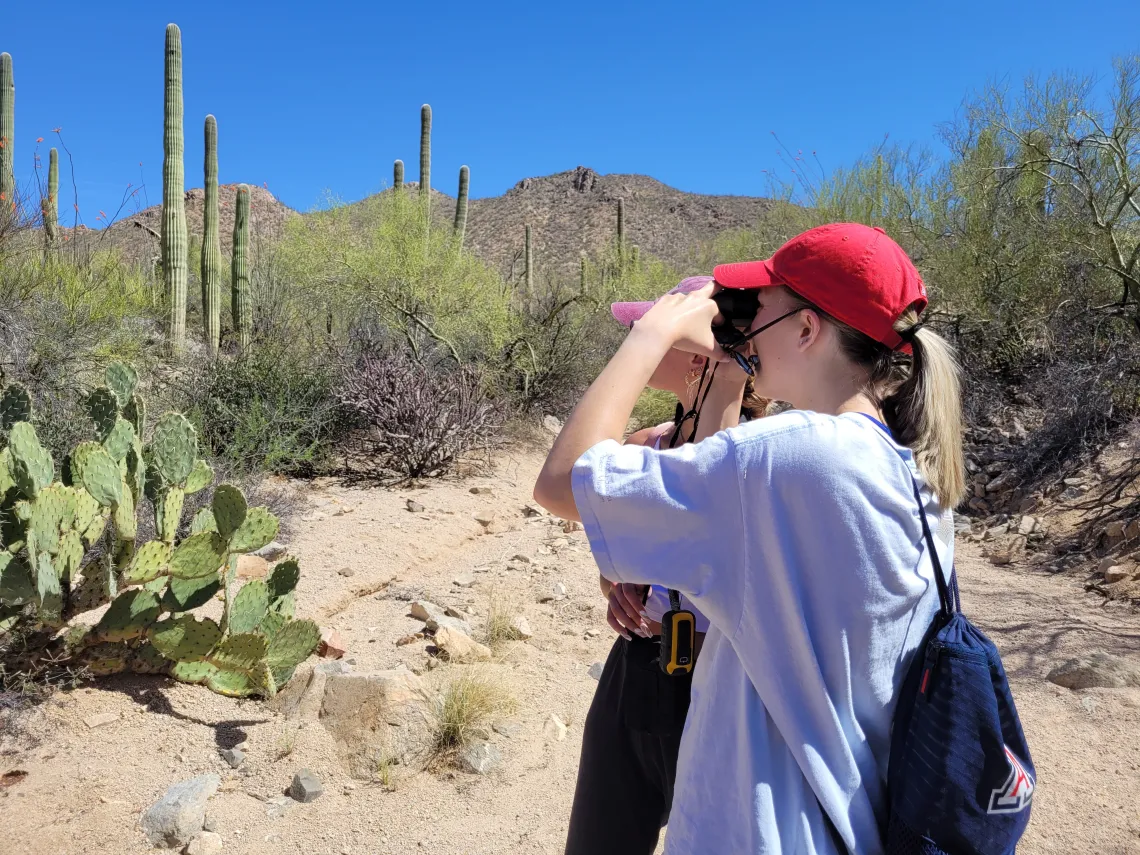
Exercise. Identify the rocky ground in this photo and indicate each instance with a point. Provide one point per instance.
(79, 770)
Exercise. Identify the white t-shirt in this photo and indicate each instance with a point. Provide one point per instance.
(798, 536)
(657, 603)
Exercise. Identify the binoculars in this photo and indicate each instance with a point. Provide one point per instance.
(738, 307)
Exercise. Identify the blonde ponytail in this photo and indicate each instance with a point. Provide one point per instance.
(924, 411)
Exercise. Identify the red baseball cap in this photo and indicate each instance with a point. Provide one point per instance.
(855, 273)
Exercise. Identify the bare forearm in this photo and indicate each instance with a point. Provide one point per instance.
(601, 414)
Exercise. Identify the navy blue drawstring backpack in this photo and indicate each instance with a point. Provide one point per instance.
(960, 779)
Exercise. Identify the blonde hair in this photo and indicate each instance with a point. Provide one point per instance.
(920, 396)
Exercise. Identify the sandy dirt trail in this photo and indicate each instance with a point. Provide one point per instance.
(364, 557)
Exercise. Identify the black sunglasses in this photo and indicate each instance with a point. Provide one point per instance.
(748, 363)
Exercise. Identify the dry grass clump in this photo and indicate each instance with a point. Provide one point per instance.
(464, 712)
(500, 627)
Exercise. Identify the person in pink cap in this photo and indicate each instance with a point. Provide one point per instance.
(632, 733)
(800, 537)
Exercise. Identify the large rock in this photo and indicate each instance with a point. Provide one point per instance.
(177, 818)
(252, 567)
(425, 610)
(1097, 671)
(459, 625)
(377, 716)
(457, 647)
(480, 758)
(306, 787)
(272, 551)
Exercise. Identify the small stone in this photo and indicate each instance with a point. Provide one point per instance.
(1028, 505)
(100, 719)
(595, 670)
(520, 628)
(554, 728)
(463, 580)
(206, 843)
(406, 640)
(234, 756)
(482, 491)
(306, 787)
(1106, 564)
(533, 511)
(452, 611)
(1132, 530)
(559, 591)
(1089, 704)
(177, 818)
(277, 806)
(592, 633)
(1027, 525)
(457, 647)
(332, 646)
(252, 567)
(485, 519)
(1073, 482)
(570, 526)
(414, 506)
(1117, 573)
(552, 424)
(520, 559)
(272, 551)
(506, 728)
(347, 572)
(995, 468)
(1114, 530)
(210, 824)
(480, 758)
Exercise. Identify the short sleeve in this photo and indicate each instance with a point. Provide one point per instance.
(670, 518)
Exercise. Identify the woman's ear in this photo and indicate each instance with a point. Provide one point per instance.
(811, 325)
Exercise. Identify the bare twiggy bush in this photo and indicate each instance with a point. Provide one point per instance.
(419, 418)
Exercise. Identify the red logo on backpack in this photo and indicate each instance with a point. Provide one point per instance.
(1017, 792)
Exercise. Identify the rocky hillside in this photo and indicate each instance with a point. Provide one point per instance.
(137, 236)
(577, 210)
(568, 212)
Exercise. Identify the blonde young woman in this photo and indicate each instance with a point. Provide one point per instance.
(798, 536)
(633, 730)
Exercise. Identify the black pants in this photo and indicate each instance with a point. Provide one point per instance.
(629, 754)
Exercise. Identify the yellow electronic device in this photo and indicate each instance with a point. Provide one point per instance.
(678, 638)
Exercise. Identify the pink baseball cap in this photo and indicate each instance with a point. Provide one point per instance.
(627, 313)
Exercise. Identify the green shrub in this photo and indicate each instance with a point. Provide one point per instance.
(273, 410)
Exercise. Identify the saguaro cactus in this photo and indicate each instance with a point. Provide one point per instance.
(461, 205)
(174, 243)
(7, 134)
(211, 248)
(398, 175)
(425, 153)
(239, 300)
(529, 265)
(621, 227)
(51, 200)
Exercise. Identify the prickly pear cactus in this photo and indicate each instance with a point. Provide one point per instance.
(48, 528)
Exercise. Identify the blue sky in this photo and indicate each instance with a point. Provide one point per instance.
(324, 96)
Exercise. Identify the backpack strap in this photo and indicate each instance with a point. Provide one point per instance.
(948, 596)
